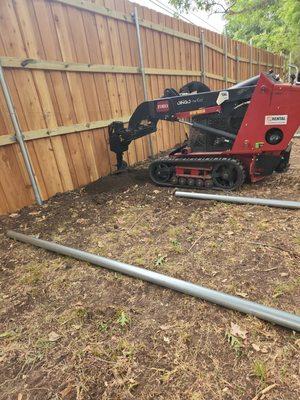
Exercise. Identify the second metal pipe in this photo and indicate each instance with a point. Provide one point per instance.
(273, 315)
(240, 199)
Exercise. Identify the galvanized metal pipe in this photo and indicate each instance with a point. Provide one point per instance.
(140, 49)
(251, 56)
(273, 315)
(240, 200)
(237, 62)
(142, 67)
(19, 138)
(225, 58)
(203, 56)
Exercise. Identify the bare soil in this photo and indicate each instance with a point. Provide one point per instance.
(72, 331)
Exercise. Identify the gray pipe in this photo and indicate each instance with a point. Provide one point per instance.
(19, 137)
(203, 56)
(225, 57)
(240, 200)
(142, 66)
(140, 49)
(273, 315)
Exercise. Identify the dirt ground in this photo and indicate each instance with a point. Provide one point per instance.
(72, 331)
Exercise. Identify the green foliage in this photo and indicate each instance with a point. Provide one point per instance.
(160, 260)
(103, 327)
(235, 343)
(206, 5)
(6, 334)
(260, 370)
(176, 245)
(123, 319)
(274, 26)
(271, 24)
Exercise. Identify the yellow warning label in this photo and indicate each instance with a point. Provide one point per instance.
(197, 112)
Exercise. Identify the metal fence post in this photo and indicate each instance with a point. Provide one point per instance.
(289, 63)
(237, 50)
(142, 67)
(202, 43)
(251, 57)
(280, 64)
(141, 58)
(19, 137)
(225, 58)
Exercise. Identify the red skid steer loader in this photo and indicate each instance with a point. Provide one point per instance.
(245, 132)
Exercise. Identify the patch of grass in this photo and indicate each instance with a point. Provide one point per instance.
(260, 370)
(176, 246)
(263, 225)
(103, 327)
(75, 315)
(125, 348)
(174, 231)
(81, 313)
(44, 344)
(7, 335)
(97, 351)
(33, 274)
(283, 372)
(286, 288)
(141, 261)
(123, 319)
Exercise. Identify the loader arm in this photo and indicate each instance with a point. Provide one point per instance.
(176, 108)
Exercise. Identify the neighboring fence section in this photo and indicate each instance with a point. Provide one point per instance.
(73, 66)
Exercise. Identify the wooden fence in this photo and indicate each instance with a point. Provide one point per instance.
(73, 66)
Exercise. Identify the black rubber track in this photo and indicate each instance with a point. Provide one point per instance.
(197, 162)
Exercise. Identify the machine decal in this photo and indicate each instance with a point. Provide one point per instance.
(276, 119)
(162, 106)
(184, 102)
(223, 96)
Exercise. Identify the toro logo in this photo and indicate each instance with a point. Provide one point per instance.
(162, 106)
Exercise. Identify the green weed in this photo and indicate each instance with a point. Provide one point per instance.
(260, 370)
(235, 343)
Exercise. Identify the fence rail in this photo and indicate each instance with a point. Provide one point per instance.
(73, 66)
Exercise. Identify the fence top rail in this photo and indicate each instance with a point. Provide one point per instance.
(88, 6)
